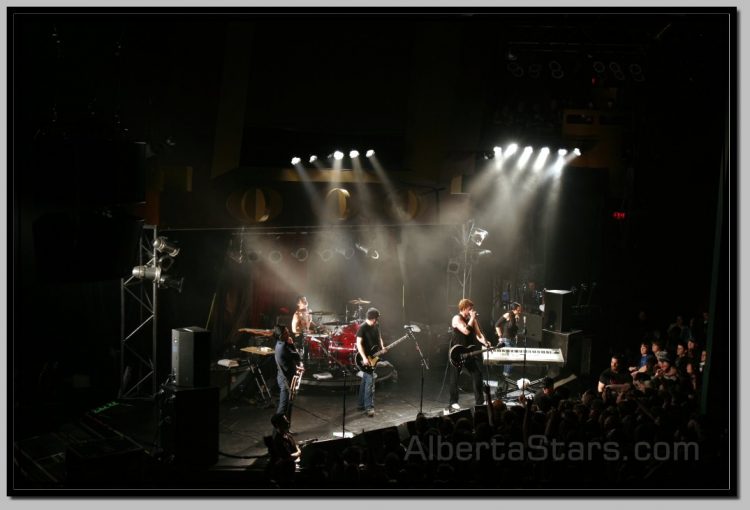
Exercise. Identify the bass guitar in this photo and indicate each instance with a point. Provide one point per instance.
(374, 357)
(458, 354)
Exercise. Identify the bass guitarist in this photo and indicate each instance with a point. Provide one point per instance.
(466, 332)
(368, 336)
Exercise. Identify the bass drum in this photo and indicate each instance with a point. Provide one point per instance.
(343, 344)
(313, 345)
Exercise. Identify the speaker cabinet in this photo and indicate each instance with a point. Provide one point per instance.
(575, 347)
(558, 310)
(190, 425)
(533, 327)
(191, 355)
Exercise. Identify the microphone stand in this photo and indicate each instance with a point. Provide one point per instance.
(423, 365)
(523, 369)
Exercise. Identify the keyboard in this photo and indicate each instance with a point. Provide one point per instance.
(514, 355)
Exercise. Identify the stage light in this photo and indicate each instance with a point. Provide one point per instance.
(165, 262)
(163, 246)
(301, 254)
(370, 153)
(541, 158)
(373, 254)
(562, 152)
(338, 155)
(353, 153)
(477, 236)
(453, 266)
(577, 151)
(252, 256)
(151, 273)
(498, 151)
(295, 160)
(313, 158)
(512, 148)
(274, 257)
(484, 253)
(525, 155)
(325, 254)
(154, 274)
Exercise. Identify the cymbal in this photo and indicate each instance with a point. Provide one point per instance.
(261, 351)
(323, 313)
(334, 323)
(258, 332)
(359, 301)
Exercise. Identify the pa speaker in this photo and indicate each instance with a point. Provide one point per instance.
(576, 349)
(190, 425)
(558, 310)
(191, 354)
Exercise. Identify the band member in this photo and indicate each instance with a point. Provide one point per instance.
(466, 332)
(507, 328)
(301, 322)
(368, 336)
(285, 452)
(287, 360)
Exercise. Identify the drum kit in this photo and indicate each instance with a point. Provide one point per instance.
(334, 342)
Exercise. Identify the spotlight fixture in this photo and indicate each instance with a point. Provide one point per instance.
(453, 266)
(477, 236)
(301, 254)
(525, 155)
(353, 153)
(338, 155)
(154, 274)
(313, 158)
(373, 254)
(325, 254)
(252, 256)
(295, 160)
(274, 257)
(484, 253)
(370, 153)
(562, 152)
(163, 246)
(512, 148)
(577, 151)
(541, 158)
(498, 151)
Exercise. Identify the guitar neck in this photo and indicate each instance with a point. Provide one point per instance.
(383, 350)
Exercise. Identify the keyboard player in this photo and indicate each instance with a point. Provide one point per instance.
(507, 330)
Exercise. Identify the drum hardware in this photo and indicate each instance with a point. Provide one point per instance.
(322, 313)
(257, 332)
(255, 354)
(334, 323)
(359, 301)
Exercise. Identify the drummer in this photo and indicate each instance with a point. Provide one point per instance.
(301, 323)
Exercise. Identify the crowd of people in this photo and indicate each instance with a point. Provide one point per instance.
(640, 427)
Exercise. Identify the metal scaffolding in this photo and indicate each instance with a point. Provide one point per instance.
(138, 310)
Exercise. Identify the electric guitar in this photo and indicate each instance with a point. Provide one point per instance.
(458, 354)
(376, 354)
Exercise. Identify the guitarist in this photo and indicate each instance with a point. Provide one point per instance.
(368, 336)
(466, 332)
(287, 360)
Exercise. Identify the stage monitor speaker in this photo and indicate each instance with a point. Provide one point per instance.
(190, 425)
(322, 452)
(191, 354)
(533, 327)
(575, 347)
(558, 310)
